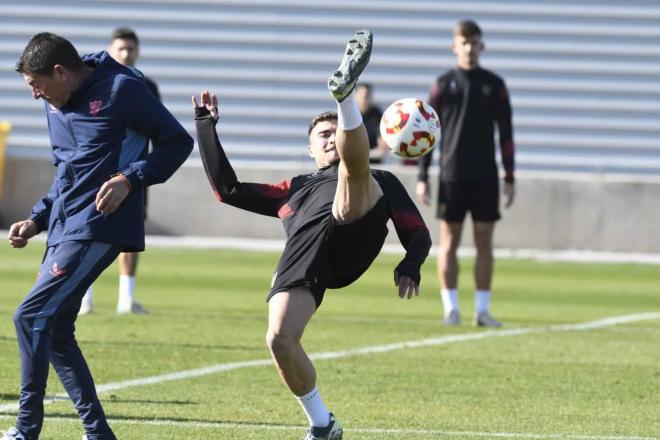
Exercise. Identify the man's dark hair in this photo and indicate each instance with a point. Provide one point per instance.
(125, 33)
(467, 29)
(44, 51)
(325, 116)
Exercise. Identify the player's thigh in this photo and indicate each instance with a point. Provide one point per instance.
(450, 234)
(290, 311)
(483, 235)
(355, 196)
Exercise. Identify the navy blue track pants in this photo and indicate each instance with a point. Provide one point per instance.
(45, 326)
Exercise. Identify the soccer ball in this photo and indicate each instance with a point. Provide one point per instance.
(410, 127)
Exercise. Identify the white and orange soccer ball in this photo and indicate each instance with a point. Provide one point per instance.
(410, 127)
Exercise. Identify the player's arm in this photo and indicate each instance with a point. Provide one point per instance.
(172, 144)
(256, 197)
(423, 189)
(412, 232)
(505, 127)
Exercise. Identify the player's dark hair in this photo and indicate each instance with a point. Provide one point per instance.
(125, 33)
(325, 116)
(44, 51)
(467, 29)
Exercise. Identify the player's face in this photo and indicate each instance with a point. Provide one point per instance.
(124, 51)
(322, 144)
(51, 88)
(467, 51)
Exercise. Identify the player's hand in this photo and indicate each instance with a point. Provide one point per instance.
(422, 191)
(509, 191)
(21, 232)
(208, 100)
(112, 194)
(407, 286)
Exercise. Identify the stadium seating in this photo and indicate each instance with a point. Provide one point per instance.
(583, 78)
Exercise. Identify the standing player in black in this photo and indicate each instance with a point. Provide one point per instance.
(125, 49)
(470, 101)
(335, 223)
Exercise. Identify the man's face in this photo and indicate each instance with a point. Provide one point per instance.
(467, 50)
(124, 51)
(322, 143)
(53, 88)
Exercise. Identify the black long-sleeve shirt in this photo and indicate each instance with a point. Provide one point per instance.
(306, 198)
(469, 104)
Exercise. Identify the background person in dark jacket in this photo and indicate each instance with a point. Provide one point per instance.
(100, 118)
(125, 49)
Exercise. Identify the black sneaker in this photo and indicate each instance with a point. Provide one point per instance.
(333, 431)
(358, 50)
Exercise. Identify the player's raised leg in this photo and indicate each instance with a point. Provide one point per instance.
(357, 191)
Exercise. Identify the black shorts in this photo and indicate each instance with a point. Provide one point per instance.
(480, 197)
(327, 255)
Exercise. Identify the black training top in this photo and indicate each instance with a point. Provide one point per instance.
(307, 198)
(371, 119)
(469, 103)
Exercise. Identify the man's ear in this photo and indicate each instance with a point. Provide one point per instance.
(60, 72)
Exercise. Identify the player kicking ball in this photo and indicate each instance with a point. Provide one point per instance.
(335, 223)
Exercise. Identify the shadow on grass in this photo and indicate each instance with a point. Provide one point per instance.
(182, 420)
(114, 399)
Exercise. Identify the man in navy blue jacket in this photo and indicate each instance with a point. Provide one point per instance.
(100, 117)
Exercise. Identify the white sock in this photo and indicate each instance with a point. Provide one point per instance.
(126, 289)
(449, 300)
(348, 113)
(89, 295)
(317, 413)
(482, 301)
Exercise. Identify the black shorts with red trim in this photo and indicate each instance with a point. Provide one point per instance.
(327, 255)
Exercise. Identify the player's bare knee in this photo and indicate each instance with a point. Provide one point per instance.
(279, 344)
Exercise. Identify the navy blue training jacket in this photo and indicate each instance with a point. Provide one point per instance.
(102, 130)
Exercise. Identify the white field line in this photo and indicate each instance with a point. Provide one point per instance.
(441, 340)
(391, 431)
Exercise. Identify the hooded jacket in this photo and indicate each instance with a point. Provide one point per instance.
(104, 129)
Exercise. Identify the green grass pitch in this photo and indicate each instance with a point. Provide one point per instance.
(208, 308)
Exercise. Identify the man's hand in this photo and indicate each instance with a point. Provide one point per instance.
(112, 194)
(210, 101)
(21, 232)
(509, 191)
(422, 191)
(407, 286)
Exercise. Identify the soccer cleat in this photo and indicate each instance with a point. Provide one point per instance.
(134, 307)
(453, 319)
(358, 50)
(484, 319)
(333, 431)
(12, 434)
